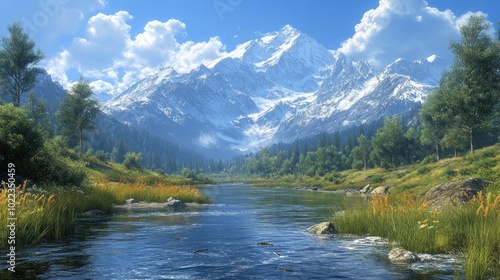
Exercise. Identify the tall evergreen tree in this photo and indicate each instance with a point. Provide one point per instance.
(18, 60)
(472, 86)
(78, 111)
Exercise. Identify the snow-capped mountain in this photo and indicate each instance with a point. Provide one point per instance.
(279, 87)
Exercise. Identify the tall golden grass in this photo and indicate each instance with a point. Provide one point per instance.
(51, 216)
(473, 229)
(157, 192)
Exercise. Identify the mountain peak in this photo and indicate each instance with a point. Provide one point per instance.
(288, 30)
(432, 58)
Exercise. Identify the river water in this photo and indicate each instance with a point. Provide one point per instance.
(220, 241)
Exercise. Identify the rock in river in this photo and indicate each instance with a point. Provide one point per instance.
(175, 203)
(323, 228)
(92, 214)
(402, 256)
(131, 201)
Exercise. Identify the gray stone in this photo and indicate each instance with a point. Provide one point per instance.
(380, 190)
(131, 201)
(402, 256)
(366, 189)
(93, 214)
(323, 228)
(454, 193)
(175, 203)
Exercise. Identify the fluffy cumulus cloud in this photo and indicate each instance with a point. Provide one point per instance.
(403, 28)
(113, 59)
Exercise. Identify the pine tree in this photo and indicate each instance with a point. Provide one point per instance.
(78, 111)
(18, 59)
(472, 86)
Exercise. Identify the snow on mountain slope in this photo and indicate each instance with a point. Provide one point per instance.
(279, 87)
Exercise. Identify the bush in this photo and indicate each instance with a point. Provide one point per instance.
(51, 165)
(133, 160)
(101, 155)
(423, 170)
(19, 140)
(429, 159)
(188, 173)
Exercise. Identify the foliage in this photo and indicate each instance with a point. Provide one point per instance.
(469, 92)
(37, 111)
(389, 144)
(19, 140)
(18, 59)
(78, 112)
(133, 160)
(361, 153)
(412, 224)
(51, 164)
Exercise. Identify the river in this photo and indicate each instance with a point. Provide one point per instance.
(219, 241)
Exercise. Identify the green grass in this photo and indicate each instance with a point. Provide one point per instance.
(415, 178)
(49, 212)
(473, 230)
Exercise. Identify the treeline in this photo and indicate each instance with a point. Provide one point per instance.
(461, 114)
(36, 137)
(113, 140)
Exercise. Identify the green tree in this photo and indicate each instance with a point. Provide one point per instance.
(435, 121)
(19, 140)
(37, 111)
(472, 86)
(119, 152)
(18, 60)
(77, 112)
(133, 160)
(361, 153)
(455, 139)
(389, 144)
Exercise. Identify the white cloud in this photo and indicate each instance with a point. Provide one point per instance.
(109, 55)
(403, 28)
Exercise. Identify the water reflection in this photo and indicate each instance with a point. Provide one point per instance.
(219, 241)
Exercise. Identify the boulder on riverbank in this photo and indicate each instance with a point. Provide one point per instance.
(95, 213)
(131, 201)
(454, 193)
(175, 203)
(323, 228)
(402, 256)
(383, 190)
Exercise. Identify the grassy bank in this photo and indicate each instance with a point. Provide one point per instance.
(473, 230)
(416, 178)
(49, 212)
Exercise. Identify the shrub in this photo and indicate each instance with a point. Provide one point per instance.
(50, 165)
(19, 140)
(101, 155)
(423, 170)
(133, 160)
(188, 173)
(429, 159)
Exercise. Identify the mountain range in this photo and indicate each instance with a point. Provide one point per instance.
(276, 88)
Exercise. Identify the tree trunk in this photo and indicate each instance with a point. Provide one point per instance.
(437, 151)
(81, 142)
(471, 135)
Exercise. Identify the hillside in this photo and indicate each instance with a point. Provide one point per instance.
(415, 178)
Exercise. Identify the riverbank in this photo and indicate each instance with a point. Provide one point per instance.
(404, 218)
(49, 212)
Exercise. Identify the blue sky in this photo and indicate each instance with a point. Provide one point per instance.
(114, 43)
